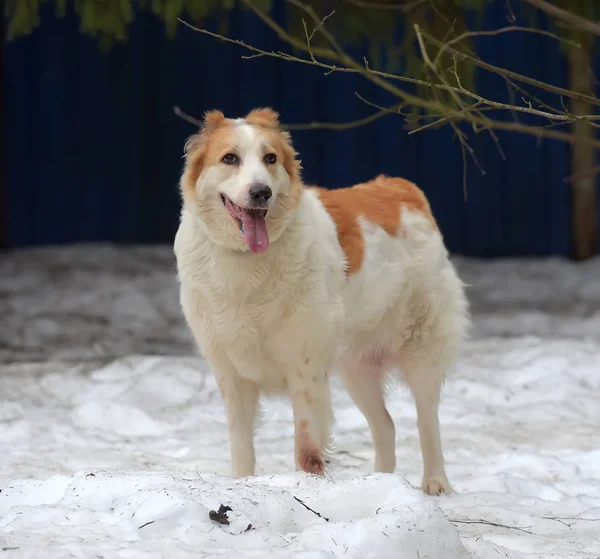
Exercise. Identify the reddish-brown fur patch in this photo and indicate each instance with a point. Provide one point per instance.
(309, 457)
(196, 149)
(311, 460)
(380, 201)
(263, 117)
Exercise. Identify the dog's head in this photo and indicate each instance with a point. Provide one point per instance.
(242, 179)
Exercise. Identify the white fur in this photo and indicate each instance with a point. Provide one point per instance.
(405, 310)
(268, 322)
(280, 321)
(252, 169)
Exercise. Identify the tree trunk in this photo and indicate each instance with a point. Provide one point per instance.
(583, 157)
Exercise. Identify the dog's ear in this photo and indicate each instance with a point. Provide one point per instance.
(195, 149)
(212, 119)
(292, 165)
(263, 117)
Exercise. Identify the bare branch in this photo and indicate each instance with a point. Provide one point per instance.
(340, 61)
(344, 125)
(590, 173)
(311, 510)
(514, 75)
(502, 30)
(188, 118)
(488, 523)
(567, 16)
(313, 52)
(464, 145)
(394, 7)
(576, 518)
(511, 14)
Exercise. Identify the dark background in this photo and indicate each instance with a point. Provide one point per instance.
(92, 150)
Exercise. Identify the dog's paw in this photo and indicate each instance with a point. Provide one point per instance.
(436, 486)
(312, 462)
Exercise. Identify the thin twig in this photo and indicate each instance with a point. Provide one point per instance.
(328, 54)
(488, 523)
(565, 15)
(343, 125)
(560, 521)
(433, 67)
(378, 6)
(495, 32)
(320, 28)
(311, 510)
(348, 64)
(590, 173)
(409, 99)
(480, 113)
(429, 125)
(464, 145)
(514, 75)
(571, 518)
(188, 118)
(511, 14)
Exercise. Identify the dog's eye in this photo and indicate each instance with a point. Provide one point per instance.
(270, 158)
(230, 159)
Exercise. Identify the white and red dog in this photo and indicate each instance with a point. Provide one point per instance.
(281, 283)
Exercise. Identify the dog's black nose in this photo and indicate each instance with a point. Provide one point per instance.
(260, 194)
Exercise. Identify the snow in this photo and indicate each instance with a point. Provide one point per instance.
(114, 442)
(162, 515)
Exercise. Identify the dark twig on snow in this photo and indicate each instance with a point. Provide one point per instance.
(577, 518)
(489, 523)
(147, 524)
(311, 510)
(559, 520)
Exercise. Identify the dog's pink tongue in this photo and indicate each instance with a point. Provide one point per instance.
(255, 231)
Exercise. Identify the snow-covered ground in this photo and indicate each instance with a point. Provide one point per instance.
(113, 440)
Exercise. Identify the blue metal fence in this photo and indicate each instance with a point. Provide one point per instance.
(94, 150)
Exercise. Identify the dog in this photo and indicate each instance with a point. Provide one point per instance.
(281, 283)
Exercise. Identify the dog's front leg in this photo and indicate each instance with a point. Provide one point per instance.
(311, 401)
(240, 397)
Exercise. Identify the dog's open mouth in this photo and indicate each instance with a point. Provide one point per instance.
(252, 223)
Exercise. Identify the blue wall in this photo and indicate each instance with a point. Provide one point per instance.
(94, 149)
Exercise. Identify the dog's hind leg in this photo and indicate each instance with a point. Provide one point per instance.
(439, 319)
(425, 384)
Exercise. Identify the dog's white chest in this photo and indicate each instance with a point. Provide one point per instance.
(251, 326)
